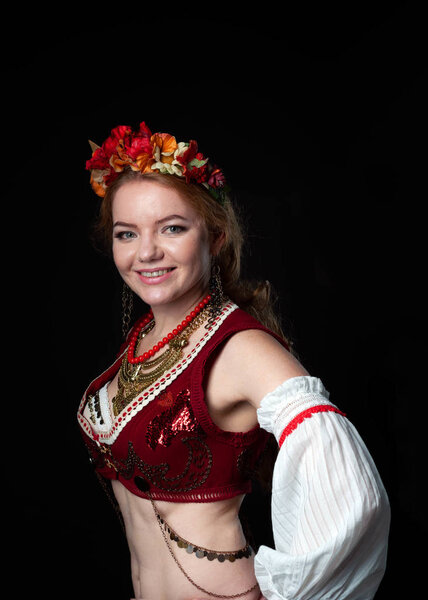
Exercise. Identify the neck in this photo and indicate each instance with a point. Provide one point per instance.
(168, 316)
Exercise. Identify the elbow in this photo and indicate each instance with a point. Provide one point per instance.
(376, 511)
(369, 535)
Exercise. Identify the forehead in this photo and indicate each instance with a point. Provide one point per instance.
(148, 200)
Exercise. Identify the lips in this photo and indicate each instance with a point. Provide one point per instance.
(153, 276)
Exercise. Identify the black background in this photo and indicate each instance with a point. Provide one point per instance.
(317, 115)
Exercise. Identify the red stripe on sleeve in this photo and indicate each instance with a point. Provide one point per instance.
(306, 414)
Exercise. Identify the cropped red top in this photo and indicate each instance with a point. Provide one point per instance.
(164, 440)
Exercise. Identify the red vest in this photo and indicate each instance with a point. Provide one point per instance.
(165, 441)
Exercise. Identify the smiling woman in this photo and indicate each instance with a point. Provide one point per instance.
(221, 221)
(164, 255)
(178, 425)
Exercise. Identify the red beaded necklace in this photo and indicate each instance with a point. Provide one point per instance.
(147, 319)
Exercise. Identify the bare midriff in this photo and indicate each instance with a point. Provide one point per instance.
(212, 525)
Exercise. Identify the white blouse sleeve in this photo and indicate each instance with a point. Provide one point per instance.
(330, 511)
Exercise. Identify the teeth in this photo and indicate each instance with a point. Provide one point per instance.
(154, 273)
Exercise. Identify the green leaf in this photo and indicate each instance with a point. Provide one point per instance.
(195, 162)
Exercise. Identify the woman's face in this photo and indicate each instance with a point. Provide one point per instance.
(161, 246)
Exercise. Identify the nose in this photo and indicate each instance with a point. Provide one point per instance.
(149, 249)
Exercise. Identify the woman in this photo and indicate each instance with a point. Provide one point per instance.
(178, 423)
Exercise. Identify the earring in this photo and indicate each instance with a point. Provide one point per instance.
(127, 306)
(216, 292)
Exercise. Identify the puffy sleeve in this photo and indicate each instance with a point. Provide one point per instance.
(330, 511)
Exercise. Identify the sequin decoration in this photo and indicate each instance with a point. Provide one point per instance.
(178, 416)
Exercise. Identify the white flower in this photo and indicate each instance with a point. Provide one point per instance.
(181, 148)
(170, 169)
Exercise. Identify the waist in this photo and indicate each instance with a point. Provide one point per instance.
(209, 522)
(211, 546)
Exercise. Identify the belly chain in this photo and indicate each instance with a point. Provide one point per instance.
(201, 553)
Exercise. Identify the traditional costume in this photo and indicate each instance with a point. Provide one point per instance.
(330, 511)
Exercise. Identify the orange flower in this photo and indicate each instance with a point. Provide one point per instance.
(164, 146)
(98, 187)
(119, 163)
(143, 163)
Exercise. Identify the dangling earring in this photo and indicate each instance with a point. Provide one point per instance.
(216, 292)
(127, 306)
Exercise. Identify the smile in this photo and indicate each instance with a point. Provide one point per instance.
(155, 277)
(155, 273)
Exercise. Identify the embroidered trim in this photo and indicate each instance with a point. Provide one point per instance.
(204, 496)
(99, 404)
(109, 437)
(306, 414)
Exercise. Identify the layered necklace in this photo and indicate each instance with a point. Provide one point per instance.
(136, 373)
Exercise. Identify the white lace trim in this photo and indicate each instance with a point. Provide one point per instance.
(108, 433)
(293, 396)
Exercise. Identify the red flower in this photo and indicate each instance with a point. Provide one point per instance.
(196, 169)
(112, 142)
(144, 130)
(216, 178)
(138, 143)
(98, 161)
(188, 154)
(194, 163)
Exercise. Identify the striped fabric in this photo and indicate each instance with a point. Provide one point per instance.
(330, 511)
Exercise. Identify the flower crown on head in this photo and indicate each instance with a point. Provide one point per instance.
(152, 153)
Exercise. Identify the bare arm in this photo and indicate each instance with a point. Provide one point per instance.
(250, 365)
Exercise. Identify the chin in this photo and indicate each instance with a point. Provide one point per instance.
(157, 297)
(163, 299)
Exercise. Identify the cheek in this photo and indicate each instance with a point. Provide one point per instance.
(198, 251)
(121, 255)
(202, 259)
(116, 255)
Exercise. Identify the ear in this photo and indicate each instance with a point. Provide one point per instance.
(217, 243)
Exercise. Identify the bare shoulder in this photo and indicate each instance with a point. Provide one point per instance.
(256, 363)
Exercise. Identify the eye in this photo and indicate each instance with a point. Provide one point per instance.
(174, 229)
(124, 235)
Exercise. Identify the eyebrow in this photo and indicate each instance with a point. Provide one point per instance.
(168, 218)
(122, 224)
(172, 217)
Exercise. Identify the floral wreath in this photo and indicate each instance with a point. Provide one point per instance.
(151, 153)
